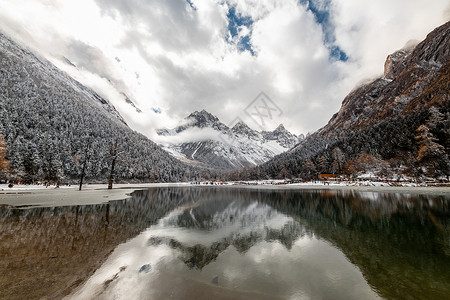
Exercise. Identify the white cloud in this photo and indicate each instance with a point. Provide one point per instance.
(369, 31)
(192, 134)
(184, 62)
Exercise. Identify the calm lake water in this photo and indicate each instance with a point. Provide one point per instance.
(230, 243)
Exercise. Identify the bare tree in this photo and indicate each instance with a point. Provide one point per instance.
(114, 155)
(86, 159)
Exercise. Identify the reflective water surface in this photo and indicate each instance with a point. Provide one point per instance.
(212, 243)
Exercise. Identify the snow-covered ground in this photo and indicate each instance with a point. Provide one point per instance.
(24, 187)
(360, 183)
(315, 183)
(277, 182)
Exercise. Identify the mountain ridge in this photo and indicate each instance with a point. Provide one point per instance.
(224, 147)
(379, 122)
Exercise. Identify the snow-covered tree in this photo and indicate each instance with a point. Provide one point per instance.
(428, 146)
(338, 160)
(323, 164)
(309, 169)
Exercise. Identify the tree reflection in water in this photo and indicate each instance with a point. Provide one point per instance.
(399, 242)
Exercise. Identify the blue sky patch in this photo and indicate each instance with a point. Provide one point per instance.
(337, 54)
(236, 20)
(157, 110)
(322, 16)
(191, 4)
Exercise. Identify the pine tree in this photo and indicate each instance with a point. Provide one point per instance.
(284, 174)
(15, 160)
(435, 119)
(428, 148)
(323, 164)
(309, 169)
(338, 160)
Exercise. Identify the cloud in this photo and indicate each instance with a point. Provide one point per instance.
(193, 134)
(180, 56)
(446, 13)
(369, 31)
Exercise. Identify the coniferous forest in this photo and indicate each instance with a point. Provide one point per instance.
(51, 127)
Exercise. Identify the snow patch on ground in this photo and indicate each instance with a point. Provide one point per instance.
(25, 187)
(366, 183)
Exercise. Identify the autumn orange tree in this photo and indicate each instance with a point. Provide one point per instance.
(430, 151)
(3, 162)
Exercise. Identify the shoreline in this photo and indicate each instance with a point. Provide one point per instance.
(93, 194)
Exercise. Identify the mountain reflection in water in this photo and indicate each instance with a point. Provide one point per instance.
(222, 243)
(257, 244)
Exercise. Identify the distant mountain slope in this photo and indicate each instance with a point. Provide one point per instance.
(206, 140)
(377, 127)
(48, 119)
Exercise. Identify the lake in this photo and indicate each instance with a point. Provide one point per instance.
(230, 243)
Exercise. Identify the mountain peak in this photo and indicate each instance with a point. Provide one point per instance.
(203, 112)
(240, 145)
(202, 119)
(202, 116)
(240, 124)
(242, 128)
(282, 136)
(280, 128)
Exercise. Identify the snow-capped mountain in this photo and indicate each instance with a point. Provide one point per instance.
(282, 136)
(52, 123)
(203, 138)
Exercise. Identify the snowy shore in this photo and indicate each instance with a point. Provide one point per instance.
(27, 196)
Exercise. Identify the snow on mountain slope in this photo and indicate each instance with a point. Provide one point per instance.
(203, 138)
(28, 57)
(76, 73)
(52, 123)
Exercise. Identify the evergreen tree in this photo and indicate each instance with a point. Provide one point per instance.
(338, 160)
(323, 164)
(309, 169)
(32, 163)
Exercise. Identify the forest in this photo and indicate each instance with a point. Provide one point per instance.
(51, 126)
(415, 146)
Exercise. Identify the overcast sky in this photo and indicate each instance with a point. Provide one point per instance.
(176, 56)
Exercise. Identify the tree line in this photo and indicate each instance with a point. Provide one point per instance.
(415, 145)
